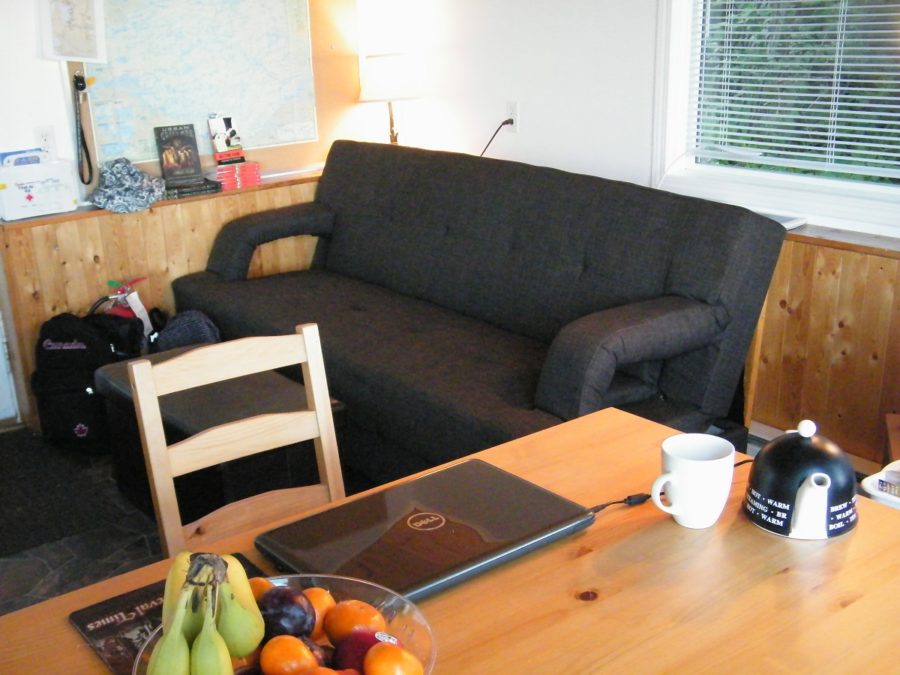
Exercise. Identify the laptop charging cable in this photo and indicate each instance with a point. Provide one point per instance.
(630, 500)
(640, 497)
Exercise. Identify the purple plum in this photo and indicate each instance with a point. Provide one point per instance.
(287, 611)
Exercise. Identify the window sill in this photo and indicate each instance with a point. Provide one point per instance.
(845, 240)
(843, 205)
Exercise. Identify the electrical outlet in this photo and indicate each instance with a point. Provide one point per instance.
(46, 140)
(512, 112)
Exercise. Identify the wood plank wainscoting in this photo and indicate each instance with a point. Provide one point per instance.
(61, 263)
(826, 347)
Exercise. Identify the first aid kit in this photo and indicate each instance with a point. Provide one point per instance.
(31, 185)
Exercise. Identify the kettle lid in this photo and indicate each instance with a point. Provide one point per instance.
(785, 464)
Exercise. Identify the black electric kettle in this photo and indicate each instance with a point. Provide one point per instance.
(802, 486)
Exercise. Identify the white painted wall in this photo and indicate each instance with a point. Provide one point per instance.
(33, 90)
(580, 70)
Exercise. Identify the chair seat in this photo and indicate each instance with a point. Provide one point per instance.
(243, 515)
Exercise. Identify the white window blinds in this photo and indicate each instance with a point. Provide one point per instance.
(799, 85)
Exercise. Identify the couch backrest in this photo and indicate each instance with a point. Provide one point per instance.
(523, 247)
(530, 248)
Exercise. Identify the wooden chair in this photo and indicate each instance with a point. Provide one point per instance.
(223, 361)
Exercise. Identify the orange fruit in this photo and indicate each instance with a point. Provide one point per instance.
(385, 658)
(322, 601)
(286, 655)
(350, 615)
(259, 585)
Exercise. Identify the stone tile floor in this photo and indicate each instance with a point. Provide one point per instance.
(113, 547)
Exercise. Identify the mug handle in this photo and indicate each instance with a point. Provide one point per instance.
(655, 491)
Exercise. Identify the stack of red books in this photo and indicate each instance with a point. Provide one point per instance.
(234, 176)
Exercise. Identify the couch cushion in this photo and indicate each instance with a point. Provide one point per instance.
(526, 248)
(444, 383)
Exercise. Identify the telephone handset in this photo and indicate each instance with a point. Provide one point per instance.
(85, 167)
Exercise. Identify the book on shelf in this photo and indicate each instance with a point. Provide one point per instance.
(242, 169)
(234, 185)
(206, 187)
(233, 176)
(229, 157)
(179, 156)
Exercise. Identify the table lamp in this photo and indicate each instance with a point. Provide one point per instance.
(388, 77)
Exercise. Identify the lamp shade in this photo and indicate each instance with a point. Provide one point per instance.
(388, 77)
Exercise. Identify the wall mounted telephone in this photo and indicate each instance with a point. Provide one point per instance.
(79, 93)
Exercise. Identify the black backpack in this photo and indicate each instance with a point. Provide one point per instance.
(68, 351)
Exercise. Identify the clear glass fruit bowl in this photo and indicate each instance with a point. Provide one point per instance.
(404, 620)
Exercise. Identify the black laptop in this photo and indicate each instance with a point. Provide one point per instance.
(424, 535)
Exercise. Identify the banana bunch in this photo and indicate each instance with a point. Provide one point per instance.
(209, 615)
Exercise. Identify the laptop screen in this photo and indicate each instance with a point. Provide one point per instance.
(428, 533)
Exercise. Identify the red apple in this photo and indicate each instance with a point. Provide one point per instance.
(351, 651)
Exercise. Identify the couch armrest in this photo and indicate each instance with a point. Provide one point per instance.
(586, 353)
(237, 240)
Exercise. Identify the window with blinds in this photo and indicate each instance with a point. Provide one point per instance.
(809, 86)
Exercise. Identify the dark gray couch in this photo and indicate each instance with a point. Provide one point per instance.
(465, 301)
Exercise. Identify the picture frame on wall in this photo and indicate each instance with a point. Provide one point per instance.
(73, 30)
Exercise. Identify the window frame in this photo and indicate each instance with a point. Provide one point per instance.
(843, 204)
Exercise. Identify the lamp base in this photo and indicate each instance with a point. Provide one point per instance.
(392, 132)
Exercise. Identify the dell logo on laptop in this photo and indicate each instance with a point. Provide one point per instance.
(426, 521)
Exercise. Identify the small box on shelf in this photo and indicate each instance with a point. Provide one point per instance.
(226, 142)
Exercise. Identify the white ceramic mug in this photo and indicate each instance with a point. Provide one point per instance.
(697, 473)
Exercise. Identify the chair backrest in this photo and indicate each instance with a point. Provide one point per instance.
(222, 361)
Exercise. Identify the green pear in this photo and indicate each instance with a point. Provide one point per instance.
(240, 626)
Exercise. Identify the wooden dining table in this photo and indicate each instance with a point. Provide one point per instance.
(633, 593)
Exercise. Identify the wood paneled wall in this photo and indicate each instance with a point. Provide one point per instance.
(62, 263)
(828, 343)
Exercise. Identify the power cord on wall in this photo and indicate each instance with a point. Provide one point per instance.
(508, 120)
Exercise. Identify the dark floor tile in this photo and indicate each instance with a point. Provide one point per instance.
(123, 538)
(60, 567)
(73, 574)
(100, 543)
(20, 576)
(18, 603)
